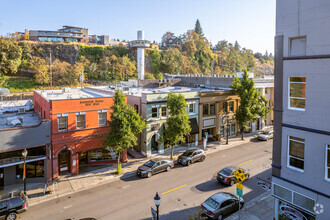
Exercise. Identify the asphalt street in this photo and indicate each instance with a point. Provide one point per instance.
(182, 189)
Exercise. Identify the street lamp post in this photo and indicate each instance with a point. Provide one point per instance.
(227, 131)
(157, 201)
(24, 154)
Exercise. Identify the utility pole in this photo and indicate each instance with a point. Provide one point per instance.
(51, 74)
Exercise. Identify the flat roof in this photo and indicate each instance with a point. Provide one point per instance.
(29, 118)
(71, 93)
(138, 91)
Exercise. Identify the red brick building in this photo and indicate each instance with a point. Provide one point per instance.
(79, 120)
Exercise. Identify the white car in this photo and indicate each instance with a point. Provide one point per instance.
(265, 135)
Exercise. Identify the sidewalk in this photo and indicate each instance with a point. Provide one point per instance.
(259, 208)
(66, 185)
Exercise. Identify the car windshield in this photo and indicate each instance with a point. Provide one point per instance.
(187, 153)
(265, 132)
(212, 203)
(150, 163)
(226, 171)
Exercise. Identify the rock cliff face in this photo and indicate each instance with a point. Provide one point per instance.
(67, 52)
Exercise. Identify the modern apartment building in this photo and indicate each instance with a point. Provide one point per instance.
(99, 39)
(67, 33)
(301, 150)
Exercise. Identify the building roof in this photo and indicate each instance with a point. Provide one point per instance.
(71, 93)
(11, 120)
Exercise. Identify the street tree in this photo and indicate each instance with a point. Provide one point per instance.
(125, 123)
(178, 126)
(198, 28)
(252, 102)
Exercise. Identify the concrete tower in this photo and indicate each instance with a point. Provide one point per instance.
(140, 44)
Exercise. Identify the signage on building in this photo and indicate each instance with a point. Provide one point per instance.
(292, 213)
(91, 102)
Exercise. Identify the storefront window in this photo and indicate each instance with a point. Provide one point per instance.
(233, 129)
(33, 169)
(102, 155)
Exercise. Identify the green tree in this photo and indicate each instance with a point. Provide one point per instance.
(252, 102)
(41, 70)
(171, 61)
(3, 80)
(198, 28)
(125, 124)
(10, 56)
(177, 122)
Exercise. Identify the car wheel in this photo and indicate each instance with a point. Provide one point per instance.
(232, 182)
(11, 216)
(149, 174)
(188, 162)
(168, 168)
(202, 159)
(220, 217)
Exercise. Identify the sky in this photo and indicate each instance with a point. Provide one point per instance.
(250, 22)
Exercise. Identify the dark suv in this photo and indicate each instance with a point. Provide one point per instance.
(226, 175)
(190, 156)
(9, 208)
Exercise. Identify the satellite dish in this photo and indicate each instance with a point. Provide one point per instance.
(4, 91)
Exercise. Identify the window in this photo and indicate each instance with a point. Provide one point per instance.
(80, 121)
(62, 123)
(205, 109)
(102, 118)
(297, 87)
(136, 107)
(231, 106)
(191, 108)
(225, 107)
(212, 109)
(154, 112)
(298, 46)
(164, 111)
(296, 153)
(327, 163)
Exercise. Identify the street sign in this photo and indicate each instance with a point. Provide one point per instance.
(239, 175)
(240, 186)
(206, 134)
(239, 192)
(153, 214)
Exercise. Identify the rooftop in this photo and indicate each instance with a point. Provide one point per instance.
(10, 120)
(138, 91)
(71, 93)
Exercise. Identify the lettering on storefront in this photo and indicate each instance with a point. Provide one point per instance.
(91, 102)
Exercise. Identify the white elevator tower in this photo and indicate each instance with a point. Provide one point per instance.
(140, 44)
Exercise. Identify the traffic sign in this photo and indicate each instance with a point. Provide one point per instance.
(239, 192)
(240, 186)
(240, 176)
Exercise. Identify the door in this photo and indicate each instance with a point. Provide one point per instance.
(156, 168)
(154, 143)
(2, 177)
(64, 162)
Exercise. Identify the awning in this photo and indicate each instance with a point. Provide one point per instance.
(194, 126)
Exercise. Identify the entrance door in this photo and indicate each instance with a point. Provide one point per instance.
(64, 162)
(2, 175)
(154, 143)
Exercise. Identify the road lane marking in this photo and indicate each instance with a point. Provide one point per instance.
(246, 162)
(69, 206)
(174, 189)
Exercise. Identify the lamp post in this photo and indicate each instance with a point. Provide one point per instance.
(157, 201)
(24, 154)
(227, 131)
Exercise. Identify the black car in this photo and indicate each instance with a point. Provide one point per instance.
(154, 166)
(9, 208)
(190, 156)
(220, 205)
(226, 175)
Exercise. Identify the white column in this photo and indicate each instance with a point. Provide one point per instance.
(140, 63)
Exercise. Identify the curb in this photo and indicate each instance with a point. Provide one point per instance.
(130, 174)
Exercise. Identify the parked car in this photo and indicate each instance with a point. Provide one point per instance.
(191, 156)
(11, 207)
(220, 205)
(226, 175)
(265, 135)
(154, 166)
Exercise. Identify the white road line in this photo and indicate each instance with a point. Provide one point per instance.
(69, 206)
